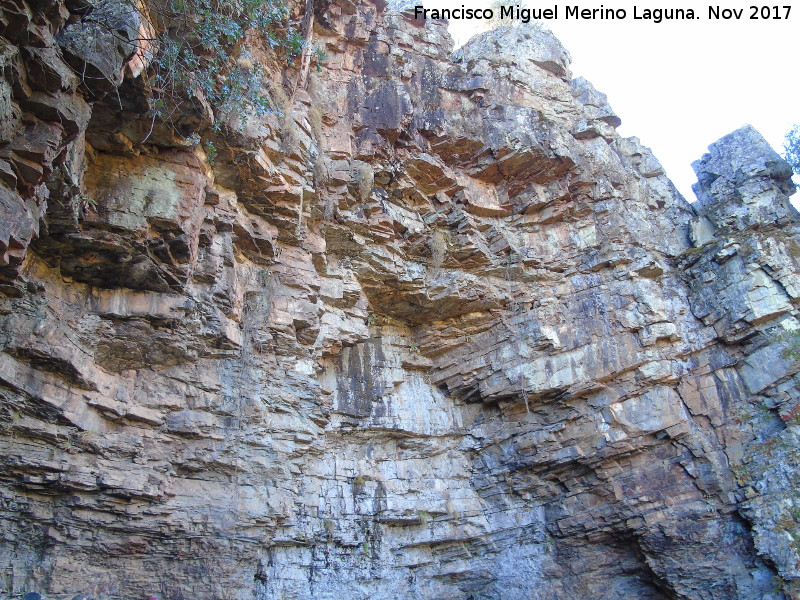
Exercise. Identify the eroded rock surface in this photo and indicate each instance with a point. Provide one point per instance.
(433, 330)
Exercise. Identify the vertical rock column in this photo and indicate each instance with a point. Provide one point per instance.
(744, 282)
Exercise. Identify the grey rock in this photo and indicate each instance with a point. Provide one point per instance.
(100, 43)
(740, 179)
(435, 331)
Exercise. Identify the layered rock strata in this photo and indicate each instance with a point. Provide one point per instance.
(432, 329)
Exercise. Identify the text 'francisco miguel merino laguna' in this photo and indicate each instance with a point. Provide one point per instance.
(601, 13)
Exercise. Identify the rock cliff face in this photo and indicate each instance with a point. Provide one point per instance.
(434, 330)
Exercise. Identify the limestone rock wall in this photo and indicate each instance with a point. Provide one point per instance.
(432, 329)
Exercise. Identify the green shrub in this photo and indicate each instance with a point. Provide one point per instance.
(198, 50)
(792, 148)
(194, 50)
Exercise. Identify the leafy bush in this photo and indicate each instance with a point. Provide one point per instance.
(792, 148)
(193, 50)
